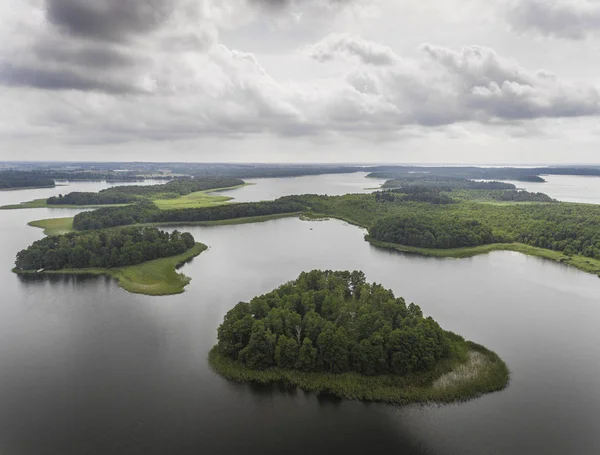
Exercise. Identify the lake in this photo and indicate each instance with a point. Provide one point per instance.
(87, 368)
(568, 188)
(332, 185)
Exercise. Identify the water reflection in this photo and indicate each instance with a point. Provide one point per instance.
(86, 367)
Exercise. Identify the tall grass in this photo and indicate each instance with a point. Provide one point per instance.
(491, 375)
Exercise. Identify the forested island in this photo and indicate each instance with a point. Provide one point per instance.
(332, 332)
(143, 259)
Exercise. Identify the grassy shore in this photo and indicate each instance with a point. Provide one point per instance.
(470, 374)
(157, 277)
(54, 226)
(28, 188)
(583, 263)
(41, 203)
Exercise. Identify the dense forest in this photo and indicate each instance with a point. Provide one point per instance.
(136, 193)
(431, 232)
(17, 179)
(103, 249)
(564, 227)
(148, 213)
(332, 322)
(445, 183)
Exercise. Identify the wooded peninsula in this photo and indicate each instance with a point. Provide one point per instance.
(143, 259)
(332, 332)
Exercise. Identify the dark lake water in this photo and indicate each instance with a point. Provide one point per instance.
(87, 368)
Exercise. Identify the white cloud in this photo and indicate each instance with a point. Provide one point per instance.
(344, 45)
(141, 76)
(556, 18)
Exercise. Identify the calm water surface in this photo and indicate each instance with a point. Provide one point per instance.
(568, 188)
(332, 185)
(17, 196)
(87, 368)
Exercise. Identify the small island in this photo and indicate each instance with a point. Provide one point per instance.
(331, 332)
(143, 259)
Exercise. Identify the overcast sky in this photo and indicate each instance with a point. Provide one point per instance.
(446, 81)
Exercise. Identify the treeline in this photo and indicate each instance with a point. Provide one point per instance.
(569, 228)
(414, 193)
(332, 322)
(103, 249)
(431, 232)
(444, 183)
(17, 179)
(148, 213)
(521, 196)
(472, 172)
(135, 193)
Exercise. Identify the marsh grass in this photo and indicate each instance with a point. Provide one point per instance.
(54, 226)
(490, 375)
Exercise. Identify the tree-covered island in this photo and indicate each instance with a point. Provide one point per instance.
(332, 332)
(142, 259)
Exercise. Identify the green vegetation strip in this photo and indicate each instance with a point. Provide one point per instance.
(451, 381)
(583, 263)
(157, 277)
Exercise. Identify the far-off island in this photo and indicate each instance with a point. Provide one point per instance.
(331, 332)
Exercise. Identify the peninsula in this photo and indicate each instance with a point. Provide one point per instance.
(332, 332)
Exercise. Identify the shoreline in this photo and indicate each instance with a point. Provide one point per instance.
(158, 277)
(481, 372)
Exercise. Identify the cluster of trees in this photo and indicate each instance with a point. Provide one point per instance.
(148, 213)
(135, 193)
(103, 249)
(522, 196)
(18, 179)
(444, 183)
(332, 322)
(431, 232)
(414, 193)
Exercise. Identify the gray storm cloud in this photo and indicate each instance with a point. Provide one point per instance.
(113, 20)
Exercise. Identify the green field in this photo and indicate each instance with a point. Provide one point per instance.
(157, 277)
(192, 200)
(476, 372)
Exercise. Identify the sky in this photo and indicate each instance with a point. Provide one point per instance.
(391, 81)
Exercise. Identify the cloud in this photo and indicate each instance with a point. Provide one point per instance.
(113, 20)
(158, 72)
(336, 45)
(111, 46)
(556, 18)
